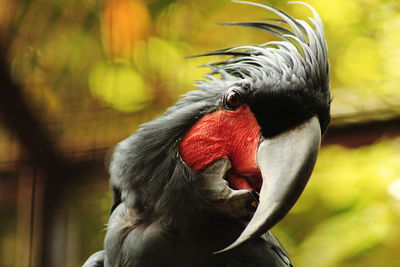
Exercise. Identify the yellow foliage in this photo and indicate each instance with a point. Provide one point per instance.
(358, 191)
(162, 64)
(390, 42)
(120, 86)
(360, 62)
(345, 236)
(124, 23)
(339, 16)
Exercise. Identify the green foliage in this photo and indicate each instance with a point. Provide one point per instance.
(120, 86)
(364, 45)
(350, 208)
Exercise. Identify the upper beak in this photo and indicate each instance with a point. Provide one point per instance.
(286, 162)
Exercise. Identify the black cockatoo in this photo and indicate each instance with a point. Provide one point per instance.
(186, 184)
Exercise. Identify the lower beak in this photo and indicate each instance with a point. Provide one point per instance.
(286, 162)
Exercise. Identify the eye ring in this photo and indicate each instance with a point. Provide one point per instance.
(233, 100)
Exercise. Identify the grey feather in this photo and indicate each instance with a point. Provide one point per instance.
(95, 260)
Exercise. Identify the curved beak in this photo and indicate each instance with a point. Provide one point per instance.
(286, 162)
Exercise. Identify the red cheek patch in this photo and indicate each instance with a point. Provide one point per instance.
(224, 133)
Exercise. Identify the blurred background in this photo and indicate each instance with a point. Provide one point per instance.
(78, 76)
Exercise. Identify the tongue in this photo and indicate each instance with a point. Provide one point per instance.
(236, 181)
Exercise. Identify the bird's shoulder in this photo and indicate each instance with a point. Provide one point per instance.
(131, 238)
(265, 251)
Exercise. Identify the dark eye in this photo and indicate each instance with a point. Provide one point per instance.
(233, 100)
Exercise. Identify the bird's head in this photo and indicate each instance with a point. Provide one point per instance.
(264, 109)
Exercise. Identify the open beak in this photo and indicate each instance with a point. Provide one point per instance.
(286, 162)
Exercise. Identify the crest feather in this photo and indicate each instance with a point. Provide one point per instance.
(299, 59)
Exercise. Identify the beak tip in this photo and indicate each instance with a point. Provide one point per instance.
(237, 243)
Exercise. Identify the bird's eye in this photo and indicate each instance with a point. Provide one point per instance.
(233, 100)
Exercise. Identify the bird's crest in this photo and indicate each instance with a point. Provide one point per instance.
(298, 61)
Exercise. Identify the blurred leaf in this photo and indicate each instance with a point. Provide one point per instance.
(158, 6)
(360, 62)
(350, 207)
(162, 63)
(7, 8)
(180, 21)
(345, 236)
(120, 86)
(124, 23)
